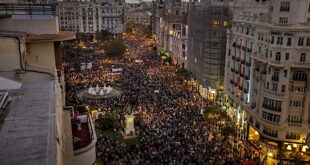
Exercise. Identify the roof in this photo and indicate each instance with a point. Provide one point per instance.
(61, 36)
(9, 84)
(27, 135)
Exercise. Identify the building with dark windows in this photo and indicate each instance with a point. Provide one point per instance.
(207, 26)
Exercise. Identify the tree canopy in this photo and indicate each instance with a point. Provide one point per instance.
(115, 48)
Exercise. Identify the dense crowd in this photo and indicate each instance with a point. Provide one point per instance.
(172, 129)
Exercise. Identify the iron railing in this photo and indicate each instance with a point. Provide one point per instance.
(8, 9)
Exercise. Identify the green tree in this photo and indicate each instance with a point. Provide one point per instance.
(103, 35)
(128, 30)
(115, 48)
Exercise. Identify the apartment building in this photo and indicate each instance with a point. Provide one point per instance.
(171, 17)
(35, 122)
(267, 75)
(207, 26)
(138, 17)
(92, 16)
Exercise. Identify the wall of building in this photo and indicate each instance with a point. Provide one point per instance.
(47, 25)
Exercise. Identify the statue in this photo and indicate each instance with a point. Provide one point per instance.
(97, 88)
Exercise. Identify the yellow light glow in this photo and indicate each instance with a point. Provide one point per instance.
(216, 22)
(304, 148)
(294, 145)
(225, 23)
(270, 154)
(256, 133)
(289, 147)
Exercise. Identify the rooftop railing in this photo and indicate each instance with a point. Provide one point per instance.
(9, 9)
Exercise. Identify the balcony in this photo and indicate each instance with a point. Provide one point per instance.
(84, 140)
(276, 63)
(275, 78)
(274, 93)
(271, 134)
(249, 50)
(300, 65)
(272, 108)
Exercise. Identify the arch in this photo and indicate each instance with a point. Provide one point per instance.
(300, 76)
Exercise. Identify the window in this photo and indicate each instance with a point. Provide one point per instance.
(300, 41)
(272, 104)
(291, 135)
(278, 56)
(302, 57)
(283, 88)
(287, 56)
(296, 104)
(275, 87)
(285, 6)
(308, 42)
(289, 41)
(300, 76)
(285, 73)
(283, 20)
(279, 40)
(298, 89)
(272, 39)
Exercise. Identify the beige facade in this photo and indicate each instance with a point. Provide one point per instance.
(90, 17)
(30, 54)
(268, 68)
(138, 17)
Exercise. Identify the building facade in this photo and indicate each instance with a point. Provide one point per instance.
(267, 75)
(138, 17)
(92, 16)
(207, 26)
(37, 128)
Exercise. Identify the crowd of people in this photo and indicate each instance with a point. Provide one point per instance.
(172, 128)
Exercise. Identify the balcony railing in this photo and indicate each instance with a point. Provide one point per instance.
(272, 108)
(276, 63)
(275, 78)
(271, 134)
(27, 9)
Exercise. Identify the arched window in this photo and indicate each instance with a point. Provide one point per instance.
(300, 76)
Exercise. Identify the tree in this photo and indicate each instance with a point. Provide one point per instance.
(103, 35)
(128, 30)
(115, 48)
